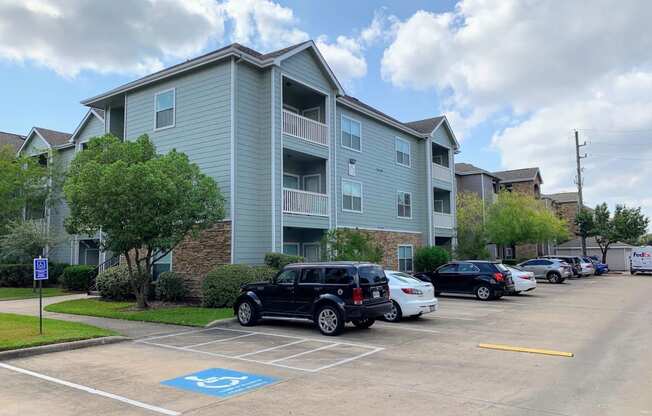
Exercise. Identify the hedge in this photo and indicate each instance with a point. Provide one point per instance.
(22, 275)
(222, 285)
(280, 260)
(77, 277)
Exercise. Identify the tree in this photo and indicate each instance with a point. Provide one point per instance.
(517, 218)
(25, 240)
(585, 223)
(627, 225)
(471, 235)
(145, 204)
(344, 244)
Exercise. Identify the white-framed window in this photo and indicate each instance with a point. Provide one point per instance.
(405, 258)
(351, 196)
(312, 183)
(351, 134)
(291, 249)
(402, 152)
(404, 204)
(438, 205)
(291, 181)
(164, 109)
(312, 113)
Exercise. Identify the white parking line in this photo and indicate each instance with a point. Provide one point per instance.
(347, 360)
(216, 340)
(404, 327)
(271, 348)
(92, 390)
(304, 353)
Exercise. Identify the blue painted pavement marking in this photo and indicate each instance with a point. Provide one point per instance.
(220, 382)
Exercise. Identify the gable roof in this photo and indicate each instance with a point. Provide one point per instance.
(52, 138)
(427, 125)
(519, 175)
(15, 140)
(233, 50)
(464, 169)
(93, 112)
(563, 197)
(363, 107)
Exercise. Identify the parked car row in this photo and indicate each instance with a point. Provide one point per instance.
(333, 293)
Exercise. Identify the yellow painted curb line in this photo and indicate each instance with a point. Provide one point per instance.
(529, 350)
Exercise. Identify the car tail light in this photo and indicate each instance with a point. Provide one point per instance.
(499, 277)
(411, 291)
(357, 296)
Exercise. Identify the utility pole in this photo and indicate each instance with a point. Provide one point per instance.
(580, 199)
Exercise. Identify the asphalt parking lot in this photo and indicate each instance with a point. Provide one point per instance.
(430, 365)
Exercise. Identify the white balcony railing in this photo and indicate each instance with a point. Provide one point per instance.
(441, 172)
(304, 202)
(442, 220)
(305, 128)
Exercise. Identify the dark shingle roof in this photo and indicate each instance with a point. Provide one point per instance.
(54, 138)
(15, 140)
(563, 197)
(426, 125)
(469, 169)
(517, 175)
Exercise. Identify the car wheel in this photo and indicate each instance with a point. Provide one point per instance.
(554, 277)
(364, 323)
(632, 272)
(395, 314)
(247, 314)
(329, 320)
(484, 292)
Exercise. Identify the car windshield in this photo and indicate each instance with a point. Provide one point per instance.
(404, 278)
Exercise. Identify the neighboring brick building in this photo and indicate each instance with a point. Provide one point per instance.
(566, 206)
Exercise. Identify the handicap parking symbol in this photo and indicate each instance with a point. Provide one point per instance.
(220, 382)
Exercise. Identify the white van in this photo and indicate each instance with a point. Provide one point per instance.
(641, 260)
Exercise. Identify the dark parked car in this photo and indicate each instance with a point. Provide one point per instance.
(485, 279)
(330, 294)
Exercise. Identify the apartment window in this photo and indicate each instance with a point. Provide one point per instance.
(165, 106)
(291, 249)
(404, 200)
(405, 258)
(351, 196)
(351, 134)
(438, 205)
(291, 181)
(402, 152)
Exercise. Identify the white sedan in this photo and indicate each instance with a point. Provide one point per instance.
(410, 296)
(524, 281)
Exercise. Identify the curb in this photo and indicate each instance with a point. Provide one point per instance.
(63, 346)
(218, 321)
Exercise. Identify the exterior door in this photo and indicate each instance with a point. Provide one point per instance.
(312, 183)
(467, 273)
(309, 287)
(444, 276)
(312, 252)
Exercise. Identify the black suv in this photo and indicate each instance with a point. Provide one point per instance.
(330, 294)
(485, 279)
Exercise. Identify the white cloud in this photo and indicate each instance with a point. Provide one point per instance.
(69, 36)
(551, 67)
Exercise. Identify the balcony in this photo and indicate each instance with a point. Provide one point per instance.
(442, 220)
(305, 203)
(441, 173)
(305, 128)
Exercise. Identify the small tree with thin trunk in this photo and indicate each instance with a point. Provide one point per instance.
(471, 235)
(626, 224)
(144, 203)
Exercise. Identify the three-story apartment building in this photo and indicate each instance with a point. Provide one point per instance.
(293, 155)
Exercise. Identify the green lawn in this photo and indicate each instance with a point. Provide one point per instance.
(13, 293)
(20, 331)
(180, 315)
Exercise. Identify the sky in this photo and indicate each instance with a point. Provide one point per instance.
(514, 77)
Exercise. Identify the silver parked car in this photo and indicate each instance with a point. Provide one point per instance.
(555, 270)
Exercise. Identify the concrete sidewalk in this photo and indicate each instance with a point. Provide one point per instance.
(131, 329)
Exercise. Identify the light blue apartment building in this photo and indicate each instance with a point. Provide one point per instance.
(293, 155)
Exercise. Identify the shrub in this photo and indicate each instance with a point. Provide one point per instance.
(427, 259)
(171, 287)
(77, 277)
(263, 273)
(55, 271)
(352, 245)
(280, 260)
(222, 285)
(113, 283)
(16, 275)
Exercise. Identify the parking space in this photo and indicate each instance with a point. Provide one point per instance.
(434, 362)
(268, 348)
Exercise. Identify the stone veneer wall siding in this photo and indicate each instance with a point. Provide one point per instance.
(194, 258)
(390, 240)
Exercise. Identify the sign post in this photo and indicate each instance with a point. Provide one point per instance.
(40, 274)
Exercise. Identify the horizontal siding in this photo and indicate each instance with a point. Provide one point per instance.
(382, 177)
(94, 127)
(305, 67)
(61, 251)
(202, 120)
(304, 221)
(300, 145)
(35, 146)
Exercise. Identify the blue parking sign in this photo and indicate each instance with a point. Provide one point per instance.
(40, 269)
(220, 382)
